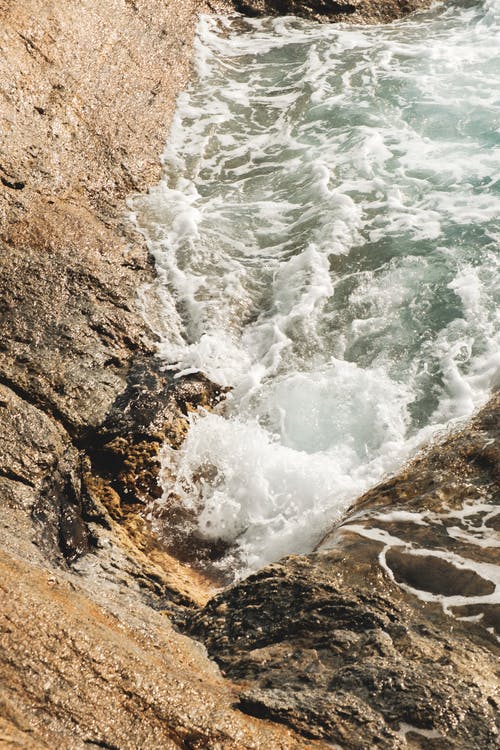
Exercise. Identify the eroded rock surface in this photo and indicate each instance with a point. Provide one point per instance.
(87, 660)
(87, 90)
(88, 677)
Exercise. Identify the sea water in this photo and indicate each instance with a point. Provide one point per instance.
(327, 236)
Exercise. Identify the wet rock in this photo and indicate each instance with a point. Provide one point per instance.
(435, 575)
(152, 410)
(77, 675)
(384, 637)
(59, 512)
(328, 646)
(87, 659)
(86, 98)
(31, 441)
(354, 11)
(121, 476)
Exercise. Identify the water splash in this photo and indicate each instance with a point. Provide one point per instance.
(327, 228)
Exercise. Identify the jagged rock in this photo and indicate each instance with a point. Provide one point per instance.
(353, 11)
(363, 643)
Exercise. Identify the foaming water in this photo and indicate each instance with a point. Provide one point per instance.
(326, 235)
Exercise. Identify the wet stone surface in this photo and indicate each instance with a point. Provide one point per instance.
(354, 11)
(383, 635)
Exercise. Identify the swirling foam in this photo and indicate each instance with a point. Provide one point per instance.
(328, 229)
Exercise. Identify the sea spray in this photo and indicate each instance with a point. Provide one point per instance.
(328, 229)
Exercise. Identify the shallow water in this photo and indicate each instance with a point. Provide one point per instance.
(327, 236)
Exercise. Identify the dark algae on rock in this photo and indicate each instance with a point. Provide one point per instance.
(355, 11)
(355, 645)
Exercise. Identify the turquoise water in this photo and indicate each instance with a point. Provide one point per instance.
(327, 237)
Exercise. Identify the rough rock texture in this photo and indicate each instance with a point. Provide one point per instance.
(86, 90)
(387, 636)
(348, 11)
(86, 94)
(81, 676)
(336, 645)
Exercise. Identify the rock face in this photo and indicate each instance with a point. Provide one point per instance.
(387, 636)
(87, 660)
(351, 644)
(87, 90)
(325, 11)
(78, 674)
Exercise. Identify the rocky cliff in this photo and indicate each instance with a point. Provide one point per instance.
(336, 647)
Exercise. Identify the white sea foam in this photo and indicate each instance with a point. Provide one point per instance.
(485, 571)
(328, 228)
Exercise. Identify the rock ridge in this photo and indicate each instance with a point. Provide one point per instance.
(326, 11)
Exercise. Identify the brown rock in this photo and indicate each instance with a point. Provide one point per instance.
(76, 675)
(87, 660)
(87, 91)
